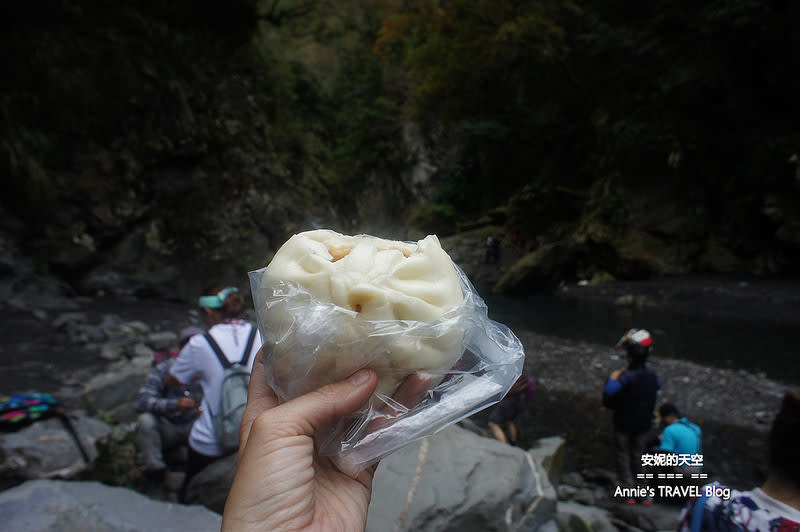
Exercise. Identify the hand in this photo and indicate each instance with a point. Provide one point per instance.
(281, 482)
(615, 374)
(185, 404)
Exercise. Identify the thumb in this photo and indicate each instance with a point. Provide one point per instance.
(305, 415)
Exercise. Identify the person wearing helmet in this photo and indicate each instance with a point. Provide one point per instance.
(631, 393)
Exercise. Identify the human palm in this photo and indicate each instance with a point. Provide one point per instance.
(281, 482)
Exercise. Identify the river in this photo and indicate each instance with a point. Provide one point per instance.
(753, 327)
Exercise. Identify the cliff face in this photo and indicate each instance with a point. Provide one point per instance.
(156, 148)
(153, 149)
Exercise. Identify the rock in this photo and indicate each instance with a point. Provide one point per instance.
(466, 483)
(69, 317)
(584, 496)
(566, 492)
(139, 327)
(573, 478)
(602, 277)
(627, 300)
(110, 352)
(574, 517)
(653, 517)
(115, 387)
(719, 259)
(45, 505)
(162, 340)
(550, 453)
(46, 449)
(210, 486)
(545, 268)
(141, 350)
(597, 475)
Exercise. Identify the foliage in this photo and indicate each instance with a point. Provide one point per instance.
(592, 96)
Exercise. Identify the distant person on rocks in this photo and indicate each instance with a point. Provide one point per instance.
(775, 506)
(501, 420)
(166, 413)
(492, 250)
(236, 341)
(631, 393)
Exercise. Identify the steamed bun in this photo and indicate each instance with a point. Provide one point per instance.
(331, 304)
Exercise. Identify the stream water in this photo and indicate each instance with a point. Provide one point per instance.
(756, 345)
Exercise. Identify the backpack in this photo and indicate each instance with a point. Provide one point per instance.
(235, 381)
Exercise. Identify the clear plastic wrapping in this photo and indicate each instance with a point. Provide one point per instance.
(309, 343)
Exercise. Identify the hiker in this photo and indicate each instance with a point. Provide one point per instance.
(492, 250)
(230, 342)
(166, 412)
(281, 483)
(680, 436)
(773, 506)
(501, 420)
(631, 393)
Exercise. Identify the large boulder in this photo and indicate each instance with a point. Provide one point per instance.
(550, 453)
(116, 386)
(457, 480)
(574, 517)
(48, 505)
(210, 486)
(545, 268)
(46, 449)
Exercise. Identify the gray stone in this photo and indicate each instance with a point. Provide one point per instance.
(139, 327)
(115, 387)
(141, 350)
(550, 453)
(574, 517)
(210, 486)
(597, 475)
(544, 268)
(46, 449)
(69, 317)
(584, 496)
(162, 340)
(652, 517)
(110, 352)
(573, 478)
(466, 483)
(48, 505)
(566, 492)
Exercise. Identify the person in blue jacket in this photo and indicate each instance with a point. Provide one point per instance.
(631, 393)
(680, 436)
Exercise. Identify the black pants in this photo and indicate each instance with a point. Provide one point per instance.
(195, 463)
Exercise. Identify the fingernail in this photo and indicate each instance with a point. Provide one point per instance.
(359, 377)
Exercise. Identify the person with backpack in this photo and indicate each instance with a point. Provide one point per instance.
(221, 361)
(631, 393)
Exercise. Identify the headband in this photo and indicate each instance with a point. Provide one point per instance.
(216, 301)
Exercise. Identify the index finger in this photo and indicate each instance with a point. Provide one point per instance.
(260, 397)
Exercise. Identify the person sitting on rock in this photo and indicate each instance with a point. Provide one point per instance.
(631, 393)
(199, 362)
(166, 413)
(507, 410)
(773, 506)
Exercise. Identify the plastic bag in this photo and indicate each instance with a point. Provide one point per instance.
(303, 330)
